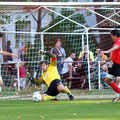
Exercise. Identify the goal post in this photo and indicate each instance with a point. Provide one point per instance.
(60, 3)
(32, 26)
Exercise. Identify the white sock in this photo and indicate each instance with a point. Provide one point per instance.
(0, 89)
(117, 94)
(119, 86)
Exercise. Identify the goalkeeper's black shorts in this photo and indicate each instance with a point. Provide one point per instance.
(52, 89)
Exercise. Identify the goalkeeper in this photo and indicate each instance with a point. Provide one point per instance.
(52, 78)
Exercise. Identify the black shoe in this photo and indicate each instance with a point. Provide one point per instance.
(115, 99)
(71, 97)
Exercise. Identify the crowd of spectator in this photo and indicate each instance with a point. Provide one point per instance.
(11, 67)
(65, 66)
(68, 70)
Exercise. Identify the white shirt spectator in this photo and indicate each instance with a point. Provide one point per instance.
(0, 51)
(1, 56)
(68, 62)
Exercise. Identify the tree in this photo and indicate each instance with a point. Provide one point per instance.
(103, 39)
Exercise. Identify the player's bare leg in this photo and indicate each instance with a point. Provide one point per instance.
(108, 80)
(61, 88)
(1, 83)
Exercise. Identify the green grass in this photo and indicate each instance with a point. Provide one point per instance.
(59, 110)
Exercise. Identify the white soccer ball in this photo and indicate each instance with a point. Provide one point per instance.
(37, 96)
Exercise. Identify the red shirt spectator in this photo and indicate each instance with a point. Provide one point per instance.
(22, 72)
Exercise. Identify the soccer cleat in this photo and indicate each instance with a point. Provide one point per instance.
(115, 99)
(71, 97)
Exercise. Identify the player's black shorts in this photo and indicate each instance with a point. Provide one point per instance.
(115, 70)
(52, 89)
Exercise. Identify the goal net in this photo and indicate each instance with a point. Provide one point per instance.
(29, 28)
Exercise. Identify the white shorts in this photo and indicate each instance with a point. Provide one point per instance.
(110, 76)
(0, 78)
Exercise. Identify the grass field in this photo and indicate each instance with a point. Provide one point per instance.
(59, 110)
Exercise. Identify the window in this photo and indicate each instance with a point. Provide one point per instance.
(23, 26)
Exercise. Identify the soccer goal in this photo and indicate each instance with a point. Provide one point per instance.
(34, 26)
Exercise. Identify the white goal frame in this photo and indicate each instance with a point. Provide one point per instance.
(61, 3)
(86, 32)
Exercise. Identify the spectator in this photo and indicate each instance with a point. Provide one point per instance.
(104, 57)
(84, 63)
(82, 70)
(22, 74)
(25, 49)
(67, 66)
(9, 58)
(21, 51)
(103, 69)
(4, 53)
(60, 54)
(85, 51)
(101, 57)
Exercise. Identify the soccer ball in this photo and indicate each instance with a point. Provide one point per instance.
(37, 96)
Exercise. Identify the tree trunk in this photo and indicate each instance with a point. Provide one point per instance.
(103, 40)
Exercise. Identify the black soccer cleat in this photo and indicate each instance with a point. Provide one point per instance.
(115, 99)
(71, 97)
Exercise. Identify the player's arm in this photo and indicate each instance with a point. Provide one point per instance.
(37, 82)
(42, 52)
(7, 53)
(115, 47)
(53, 56)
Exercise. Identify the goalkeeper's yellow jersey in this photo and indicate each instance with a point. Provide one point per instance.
(52, 73)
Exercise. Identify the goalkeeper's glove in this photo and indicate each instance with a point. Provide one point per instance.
(42, 52)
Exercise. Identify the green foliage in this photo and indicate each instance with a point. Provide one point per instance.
(5, 18)
(63, 0)
(66, 27)
(88, 13)
(21, 24)
(32, 53)
(75, 0)
(70, 42)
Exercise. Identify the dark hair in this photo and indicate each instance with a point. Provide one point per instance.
(1, 34)
(58, 40)
(8, 42)
(43, 62)
(115, 32)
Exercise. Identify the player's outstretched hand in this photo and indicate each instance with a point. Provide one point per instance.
(104, 52)
(41, 52)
